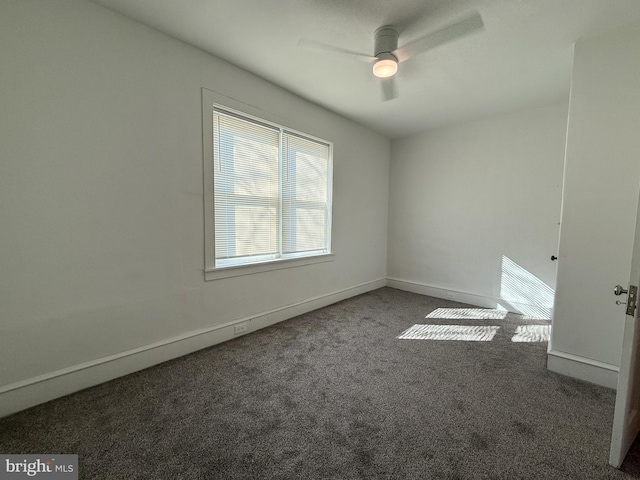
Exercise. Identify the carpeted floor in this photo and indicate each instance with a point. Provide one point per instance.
(335, 394)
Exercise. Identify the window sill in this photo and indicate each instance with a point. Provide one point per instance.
(239, 270)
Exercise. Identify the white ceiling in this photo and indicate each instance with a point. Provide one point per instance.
(522, 57)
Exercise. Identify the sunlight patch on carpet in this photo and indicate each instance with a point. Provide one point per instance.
(539, 318)
(532, 333)
(450, 332)
(468, 314)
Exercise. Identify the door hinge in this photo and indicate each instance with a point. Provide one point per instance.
(632, 299)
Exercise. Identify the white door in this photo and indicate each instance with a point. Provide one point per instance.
(626, 418)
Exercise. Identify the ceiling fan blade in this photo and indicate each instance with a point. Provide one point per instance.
(389, 89)
(439, 37)
(304, 43)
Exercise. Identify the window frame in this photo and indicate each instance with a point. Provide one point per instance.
(211, 100)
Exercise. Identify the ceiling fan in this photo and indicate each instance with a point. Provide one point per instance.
(387, 55)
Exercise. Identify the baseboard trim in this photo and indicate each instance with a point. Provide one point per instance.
(583, 368)
(476, 299)
(33, 391)
(439, 292)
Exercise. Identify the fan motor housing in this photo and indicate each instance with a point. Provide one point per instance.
(385, 40)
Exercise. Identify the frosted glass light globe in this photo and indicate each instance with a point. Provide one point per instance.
(385, 67)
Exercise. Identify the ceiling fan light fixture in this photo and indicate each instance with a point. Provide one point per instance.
(386, 66)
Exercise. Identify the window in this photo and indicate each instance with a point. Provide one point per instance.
(269, 198)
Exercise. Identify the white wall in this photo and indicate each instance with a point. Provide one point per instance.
(474, 210)
(101, 201)
(599, 205)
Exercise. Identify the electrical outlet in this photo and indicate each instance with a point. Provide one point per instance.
(240, 328)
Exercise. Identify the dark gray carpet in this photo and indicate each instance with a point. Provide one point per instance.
(334, 394)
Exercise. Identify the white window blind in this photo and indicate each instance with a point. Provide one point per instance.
(271, 192)
(304, 196)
